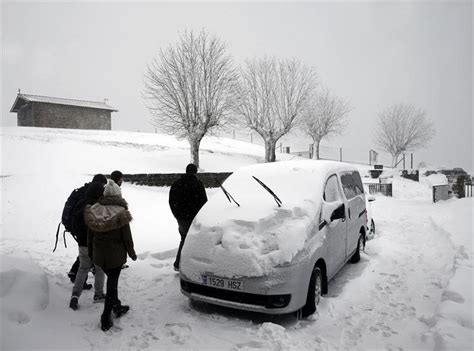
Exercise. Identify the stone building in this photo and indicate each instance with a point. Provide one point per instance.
(52, 112)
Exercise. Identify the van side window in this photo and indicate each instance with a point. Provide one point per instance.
(352, 184)
(331, 190)
(348, 185)
(358, 183)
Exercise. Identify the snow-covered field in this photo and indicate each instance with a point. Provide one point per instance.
(412, 289)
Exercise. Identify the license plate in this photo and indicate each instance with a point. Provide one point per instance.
(223, 283)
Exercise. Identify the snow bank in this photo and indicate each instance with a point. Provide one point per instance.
(434, 179)
(95, 151)
(24, 289)
(406, 189)
(454, 315)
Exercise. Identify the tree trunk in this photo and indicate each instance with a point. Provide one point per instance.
(395, 160)
(194, 145)
(270, 146)
(316, 149)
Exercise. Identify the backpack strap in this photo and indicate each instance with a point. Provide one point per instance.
(57, 234)
(64, 238)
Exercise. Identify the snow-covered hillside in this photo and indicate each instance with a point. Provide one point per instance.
(411, 290)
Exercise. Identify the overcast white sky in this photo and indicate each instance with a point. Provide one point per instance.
(374, 54)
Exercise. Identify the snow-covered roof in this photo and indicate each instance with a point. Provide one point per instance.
(21, 99)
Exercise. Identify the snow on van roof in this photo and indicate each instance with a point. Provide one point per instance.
(252, 239)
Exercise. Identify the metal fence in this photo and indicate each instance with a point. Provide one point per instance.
(385, 189)
(440, 192)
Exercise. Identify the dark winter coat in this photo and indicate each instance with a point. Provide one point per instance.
(187, 196)
(109, 235)
(93, 192)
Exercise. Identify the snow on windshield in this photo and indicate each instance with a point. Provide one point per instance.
(251, 239)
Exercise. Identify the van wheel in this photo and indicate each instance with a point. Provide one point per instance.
(372, 226)
(314, 293)
(360, 245)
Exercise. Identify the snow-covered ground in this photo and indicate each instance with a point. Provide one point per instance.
(412, 289)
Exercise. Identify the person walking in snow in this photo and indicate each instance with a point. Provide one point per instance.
(93, 193)
(187, 196)
(74, 199)
(109, 242)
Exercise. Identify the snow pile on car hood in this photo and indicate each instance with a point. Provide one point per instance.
(250, 240)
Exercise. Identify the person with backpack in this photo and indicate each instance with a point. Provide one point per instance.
(93, 193)
(187, 196)
(109, 242)
(66, 219)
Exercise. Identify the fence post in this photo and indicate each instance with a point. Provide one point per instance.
(404, 161)
(411, 160)
(340, 154)
(251, 138)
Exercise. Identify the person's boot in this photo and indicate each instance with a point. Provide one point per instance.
(106, 321)
(73, 304)
(120, 310)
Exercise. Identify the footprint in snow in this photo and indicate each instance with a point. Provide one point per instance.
(179, 332)
(250, 345)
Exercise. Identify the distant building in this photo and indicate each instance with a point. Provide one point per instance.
(52, 112)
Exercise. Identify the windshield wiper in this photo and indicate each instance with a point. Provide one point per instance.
(277, 199)
(227, 194)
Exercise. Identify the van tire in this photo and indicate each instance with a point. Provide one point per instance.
(360, 244)
(314, 293)
(372, 227)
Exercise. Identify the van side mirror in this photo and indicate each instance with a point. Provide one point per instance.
(339, 213)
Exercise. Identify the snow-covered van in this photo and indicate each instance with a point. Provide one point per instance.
(275, 236)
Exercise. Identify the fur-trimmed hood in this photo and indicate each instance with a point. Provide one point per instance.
(109, 213)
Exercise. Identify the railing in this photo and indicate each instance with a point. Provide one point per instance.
(440, 192)
(468, 190)
(385, 189)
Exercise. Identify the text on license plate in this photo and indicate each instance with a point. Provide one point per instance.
(223, 283)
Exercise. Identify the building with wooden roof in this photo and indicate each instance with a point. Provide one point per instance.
(53, 112)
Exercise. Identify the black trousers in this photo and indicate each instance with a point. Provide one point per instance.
(111, 298)
(183, 227)
(75, 266)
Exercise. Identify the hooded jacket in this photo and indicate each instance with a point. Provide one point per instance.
(187, 196)
(109, 236)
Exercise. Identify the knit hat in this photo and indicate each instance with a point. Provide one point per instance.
(191, 169)
(94, 190)
(100, 178)
(112, 189)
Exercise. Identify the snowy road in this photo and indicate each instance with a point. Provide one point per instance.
(388, 301)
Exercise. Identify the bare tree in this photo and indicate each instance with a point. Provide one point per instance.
(190, 87)
(326, 115)
(401, 128)
(272, 95)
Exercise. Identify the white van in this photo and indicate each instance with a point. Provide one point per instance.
(275, 236)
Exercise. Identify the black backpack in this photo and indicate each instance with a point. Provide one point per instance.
(67, 217)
